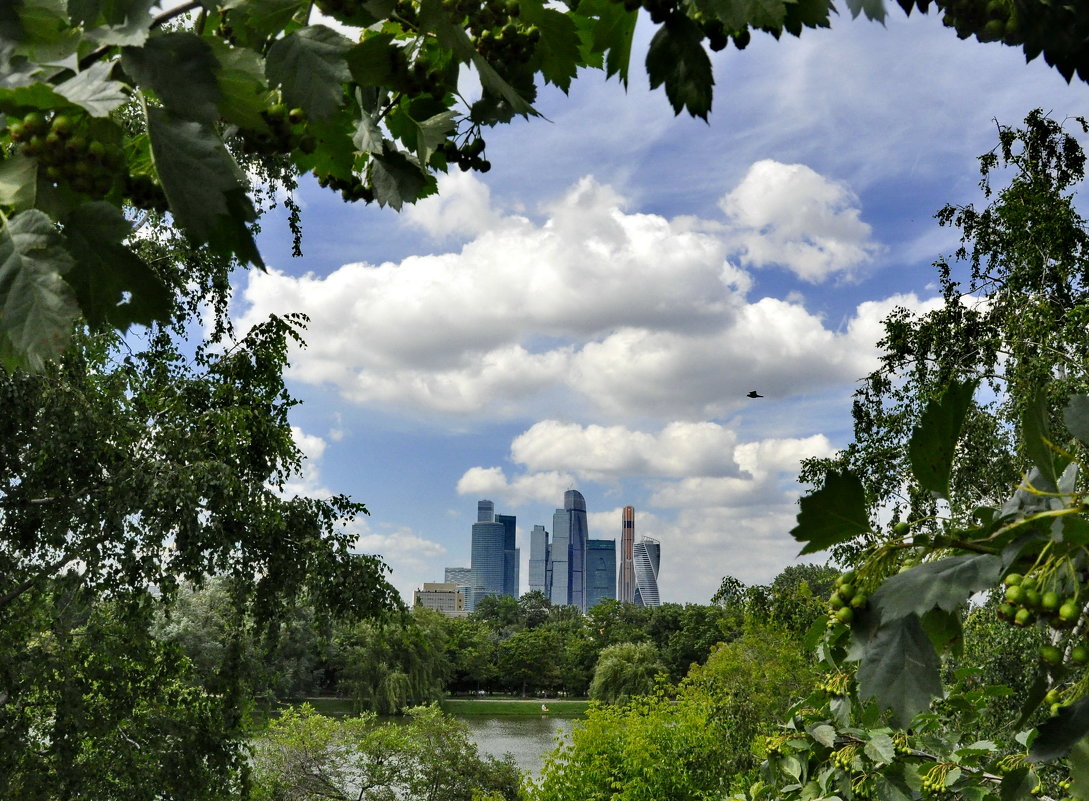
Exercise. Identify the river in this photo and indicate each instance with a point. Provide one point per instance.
(529, 739)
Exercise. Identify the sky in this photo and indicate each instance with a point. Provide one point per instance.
(592, 312)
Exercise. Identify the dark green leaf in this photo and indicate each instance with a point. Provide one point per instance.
(873, 9)
(36, 306)
(945, 584)
(609, 27)
(807, 14)
(1079, 769)
(944, 630)
(557, 54)
(823, 734)
(369, 61)
(737, 15)
(310, 65)
(1017, 785)
(124, 24)
(181, 69)
(1076, 417)
(934, 440)
(35, 95)
(891, 788)
(676, 58)
(18, 182)
(833, 514)
(202, 183)
(93, 90)
(1035, 435)
(367, 136)
(46, 35)
(241, 82)
(1059, 734)
(113, 285)
(397, 179)
(900, 669)
(266, 17)
(880, 748)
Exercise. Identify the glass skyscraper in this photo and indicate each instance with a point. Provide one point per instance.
(487, 568)
(600, 571)
(625, 583)
(540, 563)
(647, 556)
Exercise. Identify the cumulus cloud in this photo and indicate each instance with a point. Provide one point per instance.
(544, 487)
(600, 452)
(791, 216)
(593, 309)
(309, 481)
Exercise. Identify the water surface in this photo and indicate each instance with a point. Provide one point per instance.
(529, 739)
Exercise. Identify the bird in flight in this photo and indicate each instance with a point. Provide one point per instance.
(754, 394)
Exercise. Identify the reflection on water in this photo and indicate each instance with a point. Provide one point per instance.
(528, 739)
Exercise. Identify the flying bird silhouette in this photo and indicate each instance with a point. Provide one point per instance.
(754, 394)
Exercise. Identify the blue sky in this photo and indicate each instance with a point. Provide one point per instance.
(591, 313)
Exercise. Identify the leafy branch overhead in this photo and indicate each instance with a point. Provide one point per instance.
(162, 114)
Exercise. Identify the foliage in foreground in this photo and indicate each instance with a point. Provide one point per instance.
(105, 108)
(305, 756)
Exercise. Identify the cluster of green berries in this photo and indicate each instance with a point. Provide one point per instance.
(1027, 602)
(351, 189)
(846, 758)
(994, 22)
(935, 780)
(284, 131)
(845, 599)
(901, 743)
(469, 156)
(864, 786)
(837, 683)
(1054, 700)
(497, 30)
(775, 745)
(64, 146)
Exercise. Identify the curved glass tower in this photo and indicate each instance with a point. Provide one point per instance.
(647, 555)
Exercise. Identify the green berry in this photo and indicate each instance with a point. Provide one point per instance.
(34, 123)
(1015, 594)
(845, 615)
(1013, 579)
(1079, 654)
(901, 528)
(1051, 654)
(1069, 611)
(1023, 617)
(1050, 601)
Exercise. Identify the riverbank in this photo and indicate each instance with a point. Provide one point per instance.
(515, 707)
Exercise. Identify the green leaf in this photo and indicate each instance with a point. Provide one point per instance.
(833, 514)
(241, 82)
(738, 15)
(397, 179)
(944, 630)
(127, 24)
(93, 90)
(676, 58)
(889, 788)
(19, 182)
(266, 17)
(880, 748)
(369, 61)
(1061, 732)
(432, 132)
(367, 136)
(946, 584)
(202, 183)
(823, 734)
(557, 55)
(46, 34)
(36, 95)
(1017, 785)
(1035, 434)
(113, 285)
(1076, 417)
(610, 28)
(310, 65)
(934, 440)
(181, 69)
(807, 14)
(36, 306)
(900, 669)
(873, 9)
(1079, 769)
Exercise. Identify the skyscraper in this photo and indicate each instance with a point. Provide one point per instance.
(540, 563)
(487, 568)
(569, 536)
(647, 555)
(625, 585)
(600, 571)
(511, 554)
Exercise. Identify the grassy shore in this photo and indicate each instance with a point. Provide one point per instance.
(514, 706)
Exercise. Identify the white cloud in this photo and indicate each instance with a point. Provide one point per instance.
(308, 482)
(789, 215)
(601, 452)
(594, 310)
(487, 482)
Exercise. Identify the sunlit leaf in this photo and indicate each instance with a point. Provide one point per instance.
(934, 440)
(310, 65)
(833, 514)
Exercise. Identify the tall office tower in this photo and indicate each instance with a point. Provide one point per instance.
(600, 571)
(560, 594)
(569, 535)
(511, 555)
(648, 555)
(461, 577)
(540, 566)
(625, 584)
(487, 563)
